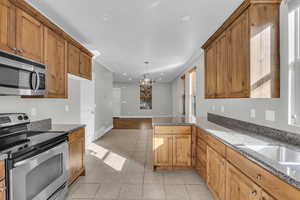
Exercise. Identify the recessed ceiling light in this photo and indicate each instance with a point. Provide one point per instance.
(155, 4)
(186, 18)
(124, 74)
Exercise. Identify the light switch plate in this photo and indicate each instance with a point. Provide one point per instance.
(67, 108)
(270, 115)
(213, 107)
(253, 113)
(222, 109)
(33, 112)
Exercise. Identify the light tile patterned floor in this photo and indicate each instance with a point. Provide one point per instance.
(119, 167)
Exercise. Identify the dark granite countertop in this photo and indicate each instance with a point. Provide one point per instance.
(243, 141)
(66, 128)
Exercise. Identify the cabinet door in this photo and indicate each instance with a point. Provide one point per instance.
(29, 37)
(85, 66)
(55, 58)
(240, 187)
(266, 196)
(216, 169)
(222, 67)
(7, 26)
(210, 72)
(73, 60)
(163, 150)
(182, 150)
(2, 190)
(238, 57)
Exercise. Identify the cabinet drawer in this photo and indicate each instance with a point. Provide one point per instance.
(162, 130)
(2, 170)
(202, 135)
(216, 145)
(273, 185)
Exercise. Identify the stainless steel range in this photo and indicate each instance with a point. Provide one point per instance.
(37, 161)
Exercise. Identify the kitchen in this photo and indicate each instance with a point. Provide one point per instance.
(137, 100)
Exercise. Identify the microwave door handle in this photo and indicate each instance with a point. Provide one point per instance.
(38, 81)
(34, 80)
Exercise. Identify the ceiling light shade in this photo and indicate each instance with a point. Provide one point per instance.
(146, 80)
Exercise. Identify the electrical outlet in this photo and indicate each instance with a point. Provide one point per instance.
(67, 108)
(253, 113)
(270, 115)
(222, 109)
(33, 112)
(213, 107)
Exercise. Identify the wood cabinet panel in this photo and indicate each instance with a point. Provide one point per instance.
(216, 145)
(172, 130)
(182, 150)
(222, 67)
(2, 170)
(238, 57)
(56, 60)
(29, 36)
(163, 150)
(85, 68)
(269, 182)
(3, 190)
(240, 187)
(266, 196)
(73, 59)
(216, 169)
(76, 154)
(210, 72)
(7, 26)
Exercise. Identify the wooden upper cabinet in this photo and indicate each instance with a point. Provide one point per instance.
(79, 63)
(56, 60)
(247, 53)
(85, 66)
(240, 187)
(210, 72)
(7, 26)
(238, 57)
(73, 59)
(29, 36)
(222, 67)
(182, 150)
(216, 169)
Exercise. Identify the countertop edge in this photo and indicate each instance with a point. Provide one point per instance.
(283, 177)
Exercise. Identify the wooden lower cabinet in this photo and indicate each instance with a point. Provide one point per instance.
(2, 190)
(163, 150)
(266, 196)
(216, 174)
(76, 154)
(240, 187)
(182, 151)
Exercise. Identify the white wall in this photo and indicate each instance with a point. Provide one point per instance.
(47, 108)
(89, 102)
(240, 108)
(103, 100)
(130, 100)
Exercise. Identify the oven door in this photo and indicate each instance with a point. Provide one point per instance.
(41, 176)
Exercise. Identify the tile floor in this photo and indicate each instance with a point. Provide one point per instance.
(119, 167)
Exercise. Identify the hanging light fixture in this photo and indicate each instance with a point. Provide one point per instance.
(146, 80)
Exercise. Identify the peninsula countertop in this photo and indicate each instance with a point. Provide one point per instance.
(238, 140)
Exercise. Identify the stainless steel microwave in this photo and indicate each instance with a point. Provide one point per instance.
(21, 77)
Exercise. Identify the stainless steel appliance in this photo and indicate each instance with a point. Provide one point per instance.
(37, 161)
(20, 76)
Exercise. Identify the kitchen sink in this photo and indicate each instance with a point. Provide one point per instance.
(283, 155)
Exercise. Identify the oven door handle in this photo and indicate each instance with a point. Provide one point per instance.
(24, 162)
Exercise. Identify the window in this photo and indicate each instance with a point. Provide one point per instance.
(192, 90)
(294, 61)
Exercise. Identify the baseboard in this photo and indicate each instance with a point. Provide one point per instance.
(99, 133)
(127, 116)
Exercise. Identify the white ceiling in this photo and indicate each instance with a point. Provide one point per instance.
(167, 33)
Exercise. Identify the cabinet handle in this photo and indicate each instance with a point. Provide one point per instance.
(254, 193)
(259, 177)
(13, 48)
